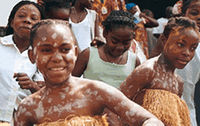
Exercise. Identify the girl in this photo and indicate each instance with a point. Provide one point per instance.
(154, 85)
(190, 74)
(14, 57)
(112, 62)
(65, 96)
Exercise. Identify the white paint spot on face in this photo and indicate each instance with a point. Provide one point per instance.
(54, 35)
(44, 38)
(55, 45)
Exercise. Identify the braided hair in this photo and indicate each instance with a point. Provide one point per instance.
(118, 18)
(182, 22)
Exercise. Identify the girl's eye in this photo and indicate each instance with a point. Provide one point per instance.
(180, 44)
(193, 48)
(35, 18)
(21, 15)
(46, 50)
(64, 50)
(194, 12)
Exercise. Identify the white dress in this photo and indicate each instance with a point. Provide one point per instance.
(84, 30)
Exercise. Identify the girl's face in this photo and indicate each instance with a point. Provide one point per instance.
(54, 52)
(180, 47)
(193, 12)
(87, 3)
(25, 17)
(59, 13)
(118, 40)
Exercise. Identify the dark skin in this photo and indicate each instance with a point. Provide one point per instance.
(55, 57)
(114, 51)
(23, 20)
(158, 73)
(193, 12)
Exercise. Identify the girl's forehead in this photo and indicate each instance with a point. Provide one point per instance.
(27, 6)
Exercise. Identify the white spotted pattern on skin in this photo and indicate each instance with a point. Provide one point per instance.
(39, 111)
(99, 98)
(44, 38)
(54, 35)
(28, 114)
(131, 113)
(123, 103)
(49, 100)
(62, 95)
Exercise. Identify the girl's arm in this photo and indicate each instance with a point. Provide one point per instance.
(81, 63)
(96, 27)
(137, 61)
(128, 110)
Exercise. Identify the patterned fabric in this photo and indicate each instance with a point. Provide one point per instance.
(104, 9)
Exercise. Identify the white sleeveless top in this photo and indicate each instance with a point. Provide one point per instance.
(84, 30)
(110, 73)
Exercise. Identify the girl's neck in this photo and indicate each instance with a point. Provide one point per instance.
(121, 59)
(21, 43)
(162, 60)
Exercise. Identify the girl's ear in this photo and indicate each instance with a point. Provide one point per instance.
(31, 56)
(76, 51)
(162, 39)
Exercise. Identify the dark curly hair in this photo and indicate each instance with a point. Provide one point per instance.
(183, 22)
(9, 29)
(118, 18)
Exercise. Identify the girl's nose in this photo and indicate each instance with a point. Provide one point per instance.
(57, 57)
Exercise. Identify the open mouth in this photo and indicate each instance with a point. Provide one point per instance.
(182, 61)
(57, 69)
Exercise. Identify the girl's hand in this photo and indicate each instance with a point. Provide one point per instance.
(25, 82)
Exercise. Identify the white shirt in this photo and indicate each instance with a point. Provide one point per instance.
(84, 30)
(190, 75)
(12, 61)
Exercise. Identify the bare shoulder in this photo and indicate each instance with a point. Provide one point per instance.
(145, 69)
(29, 103)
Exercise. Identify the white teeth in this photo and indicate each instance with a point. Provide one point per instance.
(57, 69)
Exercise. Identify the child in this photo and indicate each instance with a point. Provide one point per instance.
(154, 85)
(54, 52)
(112, 62)
(191, 73)
(84, 23)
